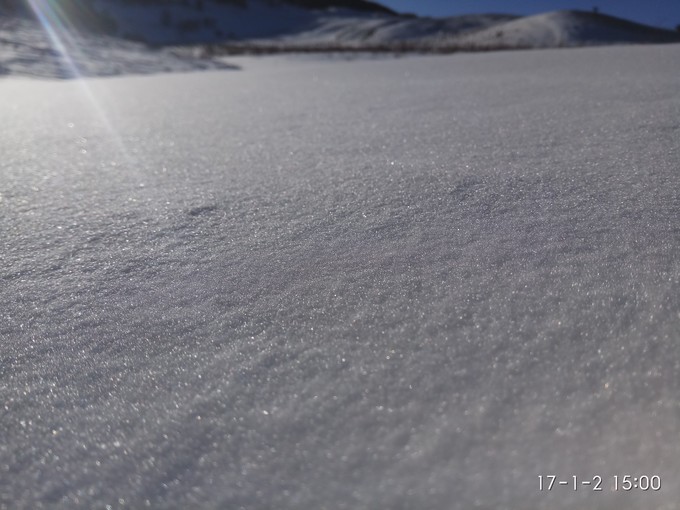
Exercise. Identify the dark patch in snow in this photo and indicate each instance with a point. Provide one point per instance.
(202, 210)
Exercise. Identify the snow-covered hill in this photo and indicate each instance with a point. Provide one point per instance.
(568, 28)
(336, 23)
(353, 31)
(282, 22)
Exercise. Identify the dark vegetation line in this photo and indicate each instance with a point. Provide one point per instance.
(217, 50)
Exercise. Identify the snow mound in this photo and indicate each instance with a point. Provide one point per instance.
(27, 50)
(568, 28)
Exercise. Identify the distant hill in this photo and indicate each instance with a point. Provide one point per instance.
(206, 21)
(569, 28)
(352, 23)
(334, 24)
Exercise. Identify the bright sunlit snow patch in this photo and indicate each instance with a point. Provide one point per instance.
(59, 29)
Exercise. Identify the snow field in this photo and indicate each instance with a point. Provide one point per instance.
(399, 283)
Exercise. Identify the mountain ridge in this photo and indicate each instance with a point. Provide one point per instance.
(322, 25)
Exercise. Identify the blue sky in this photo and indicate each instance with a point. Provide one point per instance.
(654, 12)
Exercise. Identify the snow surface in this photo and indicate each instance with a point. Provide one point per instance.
(413, 283)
